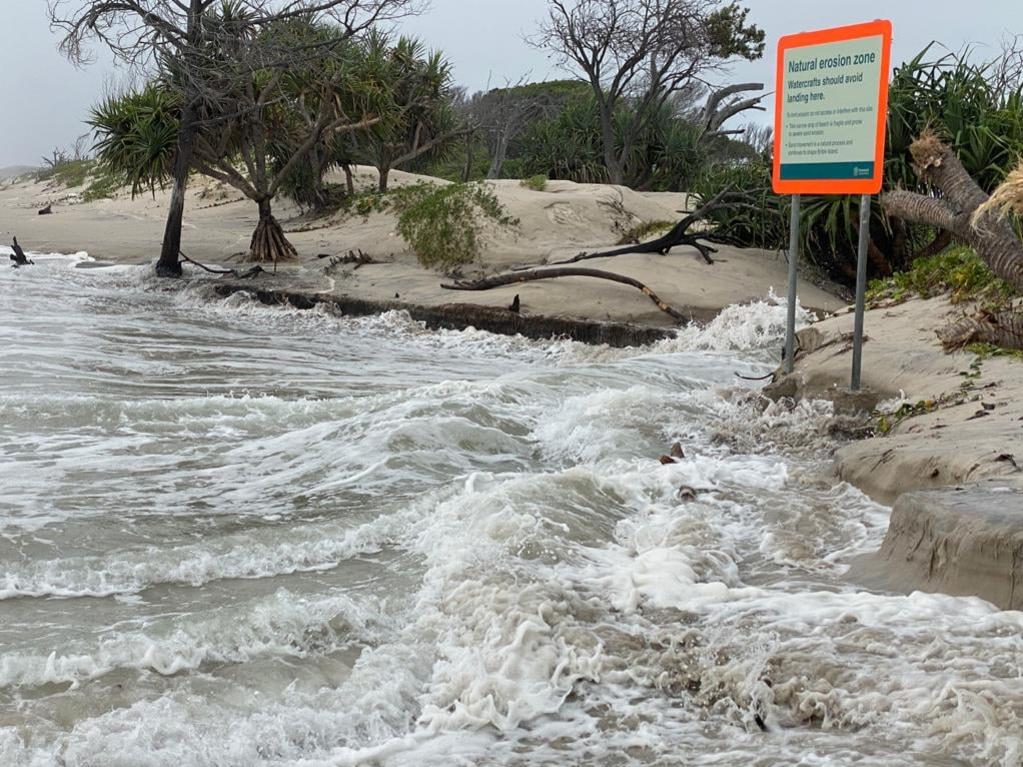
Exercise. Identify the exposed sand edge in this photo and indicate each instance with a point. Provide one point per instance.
(949, 529)
(965, 541)
(459, 316)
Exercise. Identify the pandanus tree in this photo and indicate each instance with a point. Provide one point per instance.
(420, 119)
(147, 35)
(255, 134)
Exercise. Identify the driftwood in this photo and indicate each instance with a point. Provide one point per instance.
(356, 257)
(679, 234)
(46, 211)
(18, 257)
(248, 274)
(513, 278)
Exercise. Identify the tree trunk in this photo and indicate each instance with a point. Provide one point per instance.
(385, 174)
(941, 241)
(169, 265)
(500, 152)
(1003, 329)
(992, 237)
(349, 180)
(470, 155)
(268, 241)
(317, 166)
(616, 175)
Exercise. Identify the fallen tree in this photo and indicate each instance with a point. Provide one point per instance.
(512, 278)
(961, 207)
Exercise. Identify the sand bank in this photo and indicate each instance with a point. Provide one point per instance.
(949, 460)
(560, 221)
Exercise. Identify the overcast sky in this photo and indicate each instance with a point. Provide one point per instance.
(44, 99)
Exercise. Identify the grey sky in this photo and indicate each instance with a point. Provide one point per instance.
(44, 99)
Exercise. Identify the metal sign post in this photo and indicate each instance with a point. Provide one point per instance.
(790, 327)
(861, 290)
(829, 133)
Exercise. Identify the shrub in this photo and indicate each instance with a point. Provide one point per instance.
(70, 173)
(537, 183)
(958, 271)
(443, 224)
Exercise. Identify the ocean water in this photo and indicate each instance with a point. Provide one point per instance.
(237, 535)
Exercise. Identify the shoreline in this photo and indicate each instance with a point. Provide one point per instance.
(960, 435)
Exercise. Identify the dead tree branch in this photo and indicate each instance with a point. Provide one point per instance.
(513, 278)
(679, 234)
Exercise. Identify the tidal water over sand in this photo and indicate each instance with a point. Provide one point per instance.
(240, 535)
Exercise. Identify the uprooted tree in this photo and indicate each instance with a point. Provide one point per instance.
(959, 206)
(184, 37)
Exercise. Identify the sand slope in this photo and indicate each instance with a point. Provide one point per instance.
(974, 429)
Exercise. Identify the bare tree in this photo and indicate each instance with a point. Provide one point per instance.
(1006, 72)
(640, 52)
(502, 114)
(724, 104)
(149, 35)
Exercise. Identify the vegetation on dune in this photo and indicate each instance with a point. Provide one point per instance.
(957, 271)
(67, 172)
(537, 183)
(973, 106)
(230, 64)
(290, 98)
(443, 224)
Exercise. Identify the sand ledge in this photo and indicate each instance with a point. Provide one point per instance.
(953, 470)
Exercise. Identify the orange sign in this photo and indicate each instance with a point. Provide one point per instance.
(830, 110)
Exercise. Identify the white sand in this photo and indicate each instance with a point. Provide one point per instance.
(902, 358)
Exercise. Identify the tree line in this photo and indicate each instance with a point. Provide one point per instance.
(268, 96)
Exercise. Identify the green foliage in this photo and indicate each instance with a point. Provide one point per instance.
(986, 350)
(537, 183)
(566, 147)
(644, 230)
(136, 137)
(957, 271)
(731, 36)
(418, 122)
(667, 155)
(763, 223)
(69, 173)
(450, 164)
(885, 422)
(955, 97)
(443, 224)
(102, 186)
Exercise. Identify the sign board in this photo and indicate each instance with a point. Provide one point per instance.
(829, 119)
